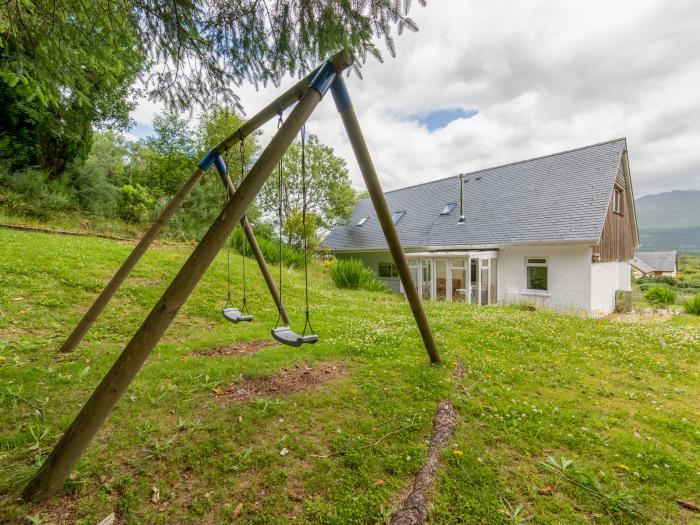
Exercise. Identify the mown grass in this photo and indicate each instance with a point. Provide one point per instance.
(620, 401)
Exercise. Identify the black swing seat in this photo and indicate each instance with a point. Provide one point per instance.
(287, 336)
(235, 315)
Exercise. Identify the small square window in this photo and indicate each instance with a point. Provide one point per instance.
(396, 216)
(388, 270)
(448, 208)
(536, 273)
(362, 221)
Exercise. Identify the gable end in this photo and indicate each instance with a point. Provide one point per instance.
(618, 240)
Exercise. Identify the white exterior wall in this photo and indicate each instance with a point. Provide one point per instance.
(574, 282)
(606, 279)
(568, 276)
(372, 260)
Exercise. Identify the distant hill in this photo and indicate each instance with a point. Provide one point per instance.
(669, 221)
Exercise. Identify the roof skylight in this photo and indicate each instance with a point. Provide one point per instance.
(396, 216)
(448, 208)
(362, 221)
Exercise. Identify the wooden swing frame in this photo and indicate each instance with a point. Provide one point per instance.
(307, 94)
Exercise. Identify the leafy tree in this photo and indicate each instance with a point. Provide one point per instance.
(293, 230)
(109, 153)
(135, 202)
(63, 71)
(202, 48)
(329, 195)
(214, 126)
(170, 156)
(217, 124)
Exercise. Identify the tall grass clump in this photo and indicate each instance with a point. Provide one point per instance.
(352, 274)
(660, 296)
(693, 305)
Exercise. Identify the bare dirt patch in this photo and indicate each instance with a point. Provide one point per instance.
(59, 510)
(414, 507)
(287, 381)
(238, 348)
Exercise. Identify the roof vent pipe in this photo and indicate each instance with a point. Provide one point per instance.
(461, 199)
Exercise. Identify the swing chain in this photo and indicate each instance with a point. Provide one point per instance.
(244, 306)
(307, 322)
(279, 215)
(228, 273)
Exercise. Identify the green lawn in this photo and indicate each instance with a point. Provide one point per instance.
(617, 406)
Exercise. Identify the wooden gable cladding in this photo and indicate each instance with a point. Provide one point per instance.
(621, 180)
(618, 239)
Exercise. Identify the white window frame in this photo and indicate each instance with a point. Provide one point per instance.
(528, 264)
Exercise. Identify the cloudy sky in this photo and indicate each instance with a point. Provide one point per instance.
(487, 83)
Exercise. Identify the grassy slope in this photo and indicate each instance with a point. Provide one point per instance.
(620, 401)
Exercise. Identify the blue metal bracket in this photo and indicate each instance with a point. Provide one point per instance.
(324, 78)
(215, 158)
(340, 94)
(220, 165)
(208, 160)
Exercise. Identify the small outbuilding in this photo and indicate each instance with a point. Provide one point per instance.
(646, 264)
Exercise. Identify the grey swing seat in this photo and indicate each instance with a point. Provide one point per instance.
(235, 315)
(289, 337)
(230, 312)
(284, 334)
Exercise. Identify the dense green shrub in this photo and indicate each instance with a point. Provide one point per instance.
(658, 279)
(134, 203)
(660, 296)
(270, 249)
(32, 193)
(94, 193)
(692, 306)
(352, 274)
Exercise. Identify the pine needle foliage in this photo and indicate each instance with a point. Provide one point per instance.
(191, 52)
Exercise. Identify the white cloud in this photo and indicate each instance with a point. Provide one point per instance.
(544, 75)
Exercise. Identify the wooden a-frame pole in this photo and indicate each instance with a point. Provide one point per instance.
(374, 188)
(281, 103)
(102, 401)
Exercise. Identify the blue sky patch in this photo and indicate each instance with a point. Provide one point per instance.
(442, 117)
(142, 130)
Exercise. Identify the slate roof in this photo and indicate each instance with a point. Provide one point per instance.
(657, 261)
(641, 265)
(556, 198)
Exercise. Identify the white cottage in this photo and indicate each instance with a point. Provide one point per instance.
(555, 231)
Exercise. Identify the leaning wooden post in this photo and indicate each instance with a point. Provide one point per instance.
(257, 252)
(74, 441)
(374, 188)
(282, 102)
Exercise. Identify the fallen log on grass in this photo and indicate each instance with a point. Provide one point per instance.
(414, 508)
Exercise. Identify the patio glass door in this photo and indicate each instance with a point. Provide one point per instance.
(459, 280)
(427, 283)
(441, 279)
(484, 282)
